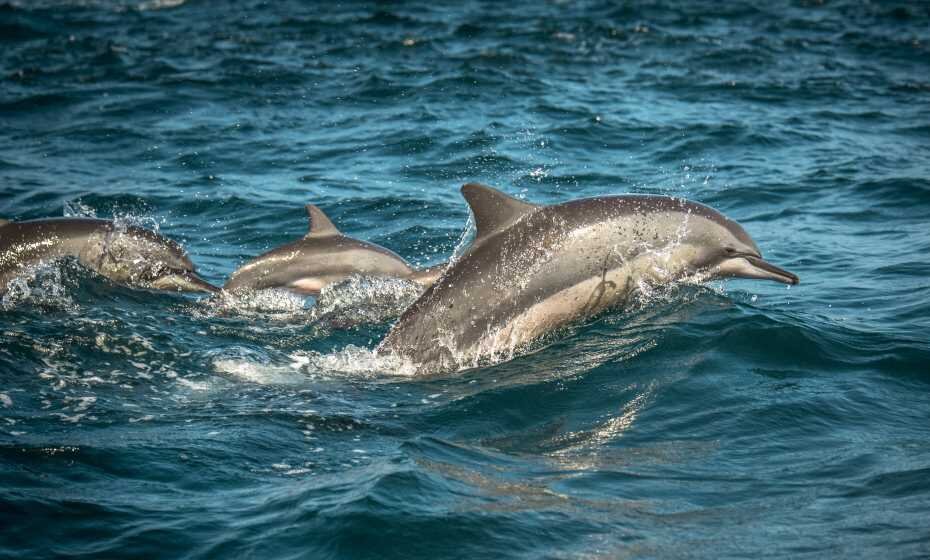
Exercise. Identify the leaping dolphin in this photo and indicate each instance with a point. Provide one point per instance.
(126, 254)
(532, 269)
(321, 257)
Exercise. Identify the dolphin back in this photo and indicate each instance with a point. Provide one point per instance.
(321, 257)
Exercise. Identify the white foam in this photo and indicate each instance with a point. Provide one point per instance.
(256, 372)
(82, 404)
(270, 304)
(40, 284)
(73, 419)
(352, 361)
(287, 469)
(468, 235)
(362, 299)
(194, 385)
(77, 209)
(159, 5)
(354, 301)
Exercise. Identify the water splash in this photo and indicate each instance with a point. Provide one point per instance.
(271, 304)
(357, 300)
(78, 209)
(353, 361)
(364, 300)
(256, 372)
(465, 240)
(249, 365)
(46, 284)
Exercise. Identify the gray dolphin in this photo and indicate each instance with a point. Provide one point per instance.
(126, 254)
(321, 257)
(532, 269)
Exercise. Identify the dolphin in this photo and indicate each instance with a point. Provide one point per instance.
(322, 257)
(533, 269)
(125, 254)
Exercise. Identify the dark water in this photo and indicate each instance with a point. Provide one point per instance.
(738, 419)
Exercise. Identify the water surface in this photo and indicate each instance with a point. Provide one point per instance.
(731, 420)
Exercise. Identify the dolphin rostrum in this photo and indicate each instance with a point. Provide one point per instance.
(321, 257)
(532, 269)
(126, 254)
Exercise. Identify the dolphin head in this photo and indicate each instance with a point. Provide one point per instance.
(141, 258)
(727, 251)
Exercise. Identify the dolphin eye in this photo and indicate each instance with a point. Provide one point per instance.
(730, 251)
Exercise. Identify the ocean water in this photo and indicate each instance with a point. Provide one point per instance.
(734, 419)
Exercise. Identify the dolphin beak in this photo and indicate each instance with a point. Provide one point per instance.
(184, 281)
(751, 266)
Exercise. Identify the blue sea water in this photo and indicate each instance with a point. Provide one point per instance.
(736, 419)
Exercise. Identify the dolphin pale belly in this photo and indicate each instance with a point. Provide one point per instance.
(532, 269)
(323, 256)
(125, 254)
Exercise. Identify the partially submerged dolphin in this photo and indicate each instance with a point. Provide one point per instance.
(321, 257)
(126, 254)
(532, 269)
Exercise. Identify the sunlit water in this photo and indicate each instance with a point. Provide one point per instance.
(737, 419)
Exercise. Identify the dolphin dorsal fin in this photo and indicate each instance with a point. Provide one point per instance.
(493, 210)
(320, 225)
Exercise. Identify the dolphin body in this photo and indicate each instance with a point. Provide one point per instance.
(532, 269)
(125, 254)
(321, 257)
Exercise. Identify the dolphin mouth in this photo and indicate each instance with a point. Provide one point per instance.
(752, 266)
(184, 281)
